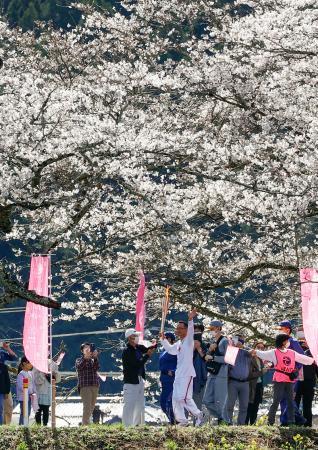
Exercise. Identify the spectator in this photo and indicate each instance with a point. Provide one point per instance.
(286, 328)
(256, 388)
(284, 360)
(238, 387)
(215, 393)
(43, 388)
(24, 371)
(6, 354)
(305, 389)
(134, 358)
(167, 367)
(8, 401)
(199, 364)
(88, 380)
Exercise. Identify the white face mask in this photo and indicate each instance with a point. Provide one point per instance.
(136, 339)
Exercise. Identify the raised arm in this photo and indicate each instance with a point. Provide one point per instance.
(189, 340)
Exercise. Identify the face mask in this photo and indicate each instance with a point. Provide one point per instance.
(136, 340)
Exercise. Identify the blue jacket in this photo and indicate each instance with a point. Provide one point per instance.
(5, 356)
(167, 363)
(201, 372)
(295, 345)
(242, 366)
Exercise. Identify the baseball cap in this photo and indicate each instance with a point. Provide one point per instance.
(130, 332)
(285, 324)
(216, 323)
(170, 336)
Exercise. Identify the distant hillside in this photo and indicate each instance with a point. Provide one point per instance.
(23, 13)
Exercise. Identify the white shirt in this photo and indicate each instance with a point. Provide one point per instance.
(184, 351)
(269, 355)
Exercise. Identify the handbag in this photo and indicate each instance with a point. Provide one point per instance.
(292, 375)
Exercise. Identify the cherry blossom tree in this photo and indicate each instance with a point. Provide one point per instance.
(180, 139)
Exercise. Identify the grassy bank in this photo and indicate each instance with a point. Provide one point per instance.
(152, 438)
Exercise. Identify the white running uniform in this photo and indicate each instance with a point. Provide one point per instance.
(183, 383)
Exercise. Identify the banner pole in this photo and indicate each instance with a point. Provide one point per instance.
(53, 401)
(25, 402)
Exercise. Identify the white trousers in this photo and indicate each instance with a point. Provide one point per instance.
(134, 404)
(182, 399)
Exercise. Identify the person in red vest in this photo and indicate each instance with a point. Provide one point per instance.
(285, 375)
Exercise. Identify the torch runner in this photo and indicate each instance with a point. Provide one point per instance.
(165, 307)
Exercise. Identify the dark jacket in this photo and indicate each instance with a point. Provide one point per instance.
(4, 379)
(255, 373)
(200, 368)
(4, 373)
(134, 359)
(310, 372)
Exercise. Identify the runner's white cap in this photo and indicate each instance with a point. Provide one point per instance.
(131, 332)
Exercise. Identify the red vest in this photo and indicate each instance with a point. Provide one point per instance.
(285, 363)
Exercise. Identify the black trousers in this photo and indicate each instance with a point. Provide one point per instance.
(252, 408)
(42, 413)
(282, 390)
(305, 391)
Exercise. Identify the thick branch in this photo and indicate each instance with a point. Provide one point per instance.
(14, 290)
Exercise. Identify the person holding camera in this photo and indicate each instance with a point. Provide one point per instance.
(6, 354)
(285, 375)
(134, 358)
(88, 379)
(216, 389)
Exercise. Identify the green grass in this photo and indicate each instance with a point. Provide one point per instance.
(163, 438)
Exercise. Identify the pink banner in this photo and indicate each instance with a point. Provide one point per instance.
(231, 354)
(309, 303)
(35, 331)
(140, 306)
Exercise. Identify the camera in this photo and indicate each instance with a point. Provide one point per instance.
(155, 346)
(92, 347)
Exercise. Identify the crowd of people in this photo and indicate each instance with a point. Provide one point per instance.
(38, 386)
(197, 381)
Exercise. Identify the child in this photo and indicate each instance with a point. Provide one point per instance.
(24, 371)
(285, 375)
(43, 387)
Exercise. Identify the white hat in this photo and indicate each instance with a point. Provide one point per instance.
(131, 332)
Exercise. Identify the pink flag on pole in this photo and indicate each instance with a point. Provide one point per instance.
(231, 354)
(140, 306)
(35, 331)
(309, 303)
